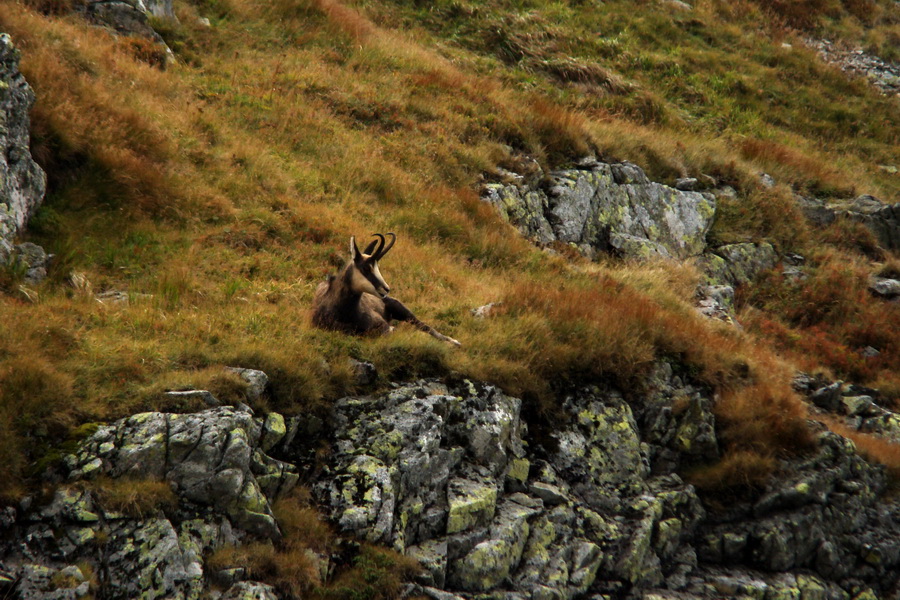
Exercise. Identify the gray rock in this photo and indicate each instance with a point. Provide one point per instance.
(601, 207)
(161, 9)
(257, 381)
(717, 302)
(485, 311)
(130, 17)
(32, 260)
(886, 288)
(882, 74)
(881, 218)
(22, 181)
(213, 458)
(828, 397)
(854, 406)
(737, 264)
(687, 184)
(250, 590)
(365, 373)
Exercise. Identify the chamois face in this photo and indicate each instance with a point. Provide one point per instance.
(365, 278)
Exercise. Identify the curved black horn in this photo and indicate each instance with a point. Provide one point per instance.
(377, 253)
(389, 246)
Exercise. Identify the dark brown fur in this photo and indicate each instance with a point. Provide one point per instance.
(345, 303)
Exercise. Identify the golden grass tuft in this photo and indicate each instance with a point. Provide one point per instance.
(137, 498)
(738, 474)
(293, 566)
(873, 448)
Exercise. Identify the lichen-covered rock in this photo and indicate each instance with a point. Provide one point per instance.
(214, 458)
(443, 473)
(32, 260)
(250, 590)
(737, 264)
(716, 302)
(150, 556)
(601, 207)
(822, 514)
(22, 181)
(256, 382)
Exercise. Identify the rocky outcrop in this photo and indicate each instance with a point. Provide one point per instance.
(22, 181)
(883, 219)
(451, 474)
(737, 264)
(127, 17)
(448, 475)
(445, 475)
(602, 207)
(215, 458)
(215, 462)
(884, 75)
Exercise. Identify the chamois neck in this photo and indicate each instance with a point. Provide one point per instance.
(344, 291)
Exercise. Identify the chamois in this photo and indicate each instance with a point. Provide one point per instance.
(357, 301)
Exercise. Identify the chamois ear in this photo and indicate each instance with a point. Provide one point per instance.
(354, 251)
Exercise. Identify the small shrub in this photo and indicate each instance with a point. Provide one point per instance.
(850, 235)
(763, 419)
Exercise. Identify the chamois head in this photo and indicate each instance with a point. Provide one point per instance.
(365, 278)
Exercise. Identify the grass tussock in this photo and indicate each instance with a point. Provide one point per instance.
(36, 410)
(828, 319)
(873, 448)
(136, 498)
(738, 473)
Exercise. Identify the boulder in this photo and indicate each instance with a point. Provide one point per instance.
(737, 264)
(214, 458)
(608, 207)
(886, 288)
(22, 181)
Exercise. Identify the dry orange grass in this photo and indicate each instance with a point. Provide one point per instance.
(309, 122)
(873, 448)
(137, 498)
(293, 566)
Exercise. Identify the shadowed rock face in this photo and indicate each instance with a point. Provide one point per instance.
(600, 207)
(22, 181)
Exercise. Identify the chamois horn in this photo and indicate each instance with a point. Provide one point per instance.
(384, 251)
(375, 255)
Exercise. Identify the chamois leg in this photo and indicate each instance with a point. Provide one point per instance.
(396, 310)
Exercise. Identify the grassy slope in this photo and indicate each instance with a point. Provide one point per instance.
(226, 187)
